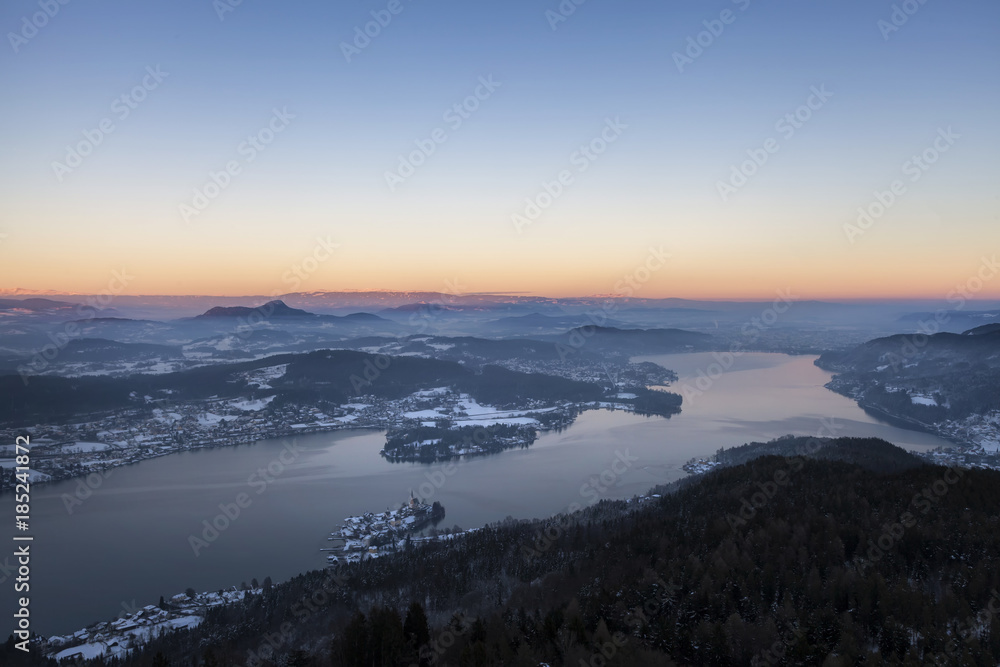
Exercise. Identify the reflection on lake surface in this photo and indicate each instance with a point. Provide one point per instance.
(129, 542)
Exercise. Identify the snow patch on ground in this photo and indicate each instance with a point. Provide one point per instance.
(426, 393)
(166, 417)
(424, 414)
(990, 446)
(209, 419)
(79, 447)
(251, 406)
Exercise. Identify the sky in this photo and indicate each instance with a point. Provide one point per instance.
(723, 149)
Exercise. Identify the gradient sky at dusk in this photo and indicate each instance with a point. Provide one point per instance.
(655, 186)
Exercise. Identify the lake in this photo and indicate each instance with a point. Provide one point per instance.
(128, 543)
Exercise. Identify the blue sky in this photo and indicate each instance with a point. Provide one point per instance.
(658, 184)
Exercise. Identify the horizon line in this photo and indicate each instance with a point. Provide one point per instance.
(21, 293)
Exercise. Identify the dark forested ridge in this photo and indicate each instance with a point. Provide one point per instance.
(781, 560)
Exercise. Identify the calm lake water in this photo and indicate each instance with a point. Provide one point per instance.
(129, 542)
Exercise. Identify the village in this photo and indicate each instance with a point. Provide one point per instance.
(136, 626)
(371, 535)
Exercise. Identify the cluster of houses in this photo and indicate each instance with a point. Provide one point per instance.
(137, 626)
(371, 535)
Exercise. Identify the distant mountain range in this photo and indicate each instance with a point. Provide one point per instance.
(35, 304)
(280, 310)
(956, 320)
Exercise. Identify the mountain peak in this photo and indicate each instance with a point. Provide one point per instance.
(275, 308)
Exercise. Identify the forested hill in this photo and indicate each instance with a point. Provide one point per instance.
(924, 379)
(869, 453)
(325, 375)
(779, 560)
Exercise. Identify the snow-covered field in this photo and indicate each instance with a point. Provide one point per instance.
(485, 415)
(917, 399)
(209, 419)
